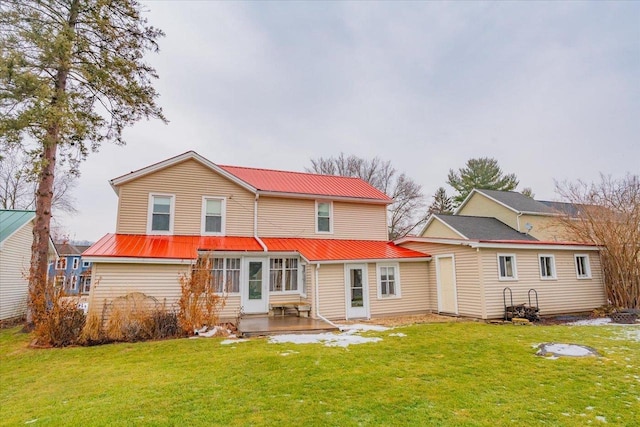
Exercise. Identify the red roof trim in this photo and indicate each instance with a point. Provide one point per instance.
(187, 247)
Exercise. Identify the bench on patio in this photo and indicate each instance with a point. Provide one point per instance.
(302, 308)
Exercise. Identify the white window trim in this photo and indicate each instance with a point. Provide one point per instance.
(74, 283)
(86, 264)
(515, 268)
(61, 263)
(76, 263)
(588, 266)
(223, 213)
(330, 216)
(224, 274)
(554, 274)
(398, 293)
(299, 274)
(150, 214)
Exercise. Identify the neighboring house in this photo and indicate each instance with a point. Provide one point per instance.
(520, 212)
(273, 237)
(487, 246)
(16, 238)
(70, 271)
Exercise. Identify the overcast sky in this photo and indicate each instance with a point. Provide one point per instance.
(549, 89)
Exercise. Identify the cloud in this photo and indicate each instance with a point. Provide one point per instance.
(549, 89)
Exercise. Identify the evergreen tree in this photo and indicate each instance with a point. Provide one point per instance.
(72, 76)
(482, 173)
(441, 203)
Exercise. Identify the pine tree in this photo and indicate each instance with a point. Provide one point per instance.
(72, 76)
(482, 173)
(441, 203)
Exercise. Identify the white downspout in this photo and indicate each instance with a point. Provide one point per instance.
(255, 224)
(518, 221)
(317, 293)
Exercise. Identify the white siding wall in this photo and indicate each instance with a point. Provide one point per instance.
(14, 268)
(414, 291)
(565, 294)
(189, 181)
(283, 217)
(332, 291)
(468, 284)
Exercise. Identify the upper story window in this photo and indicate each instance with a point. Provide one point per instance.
(76, 263)
(213, 215)
(324, 217)
(583, 269)
(388, 281)
(507, 267)
(547, 266)
(61, 263)
(161, 213)
(86, 264)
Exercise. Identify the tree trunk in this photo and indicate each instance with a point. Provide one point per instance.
(44, 194)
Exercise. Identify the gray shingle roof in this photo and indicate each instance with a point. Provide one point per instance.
(518, 201)
(482, 228)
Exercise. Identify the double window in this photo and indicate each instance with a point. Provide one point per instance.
(283, 274)
(213, 209)
(507, 267)
(547, 266)
(61, 263)
(388, 281)
(161, 213)
(583, 269)
(226, 275)
(324, 217)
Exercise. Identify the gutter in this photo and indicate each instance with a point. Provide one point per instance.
(317, 294)
(255, 224)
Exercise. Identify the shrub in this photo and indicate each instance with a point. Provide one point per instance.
(59, 322)
(200, 304)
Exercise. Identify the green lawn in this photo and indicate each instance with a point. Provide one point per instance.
(438, 374)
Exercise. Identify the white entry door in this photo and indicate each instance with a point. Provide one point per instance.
(255, 286)
(446, 279)
(357, 291)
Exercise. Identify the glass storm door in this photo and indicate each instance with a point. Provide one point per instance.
(255, 294)
(356, 287)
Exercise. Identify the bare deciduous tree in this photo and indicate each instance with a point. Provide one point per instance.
(608, 214)
(406, 213)
(18, 183)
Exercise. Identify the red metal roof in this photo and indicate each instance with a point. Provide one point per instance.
(173, 247)
(306, 183)
(338, 250)
(186, 247)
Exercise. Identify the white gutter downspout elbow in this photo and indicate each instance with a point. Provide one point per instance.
(255, 224)
(317, 293)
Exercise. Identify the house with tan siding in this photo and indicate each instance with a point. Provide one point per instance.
(485, 258)
(537, 218)
(16, 238)
(274, 237)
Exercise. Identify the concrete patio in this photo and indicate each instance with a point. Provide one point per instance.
(263, 325)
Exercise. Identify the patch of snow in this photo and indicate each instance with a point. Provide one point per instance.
(591, 322)
(601, 419)
(361, 327)
(398, 334)
(574, 350)
(328, 339)
(288, 353)
(233, 341)
(631, 334)
(31, 421)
